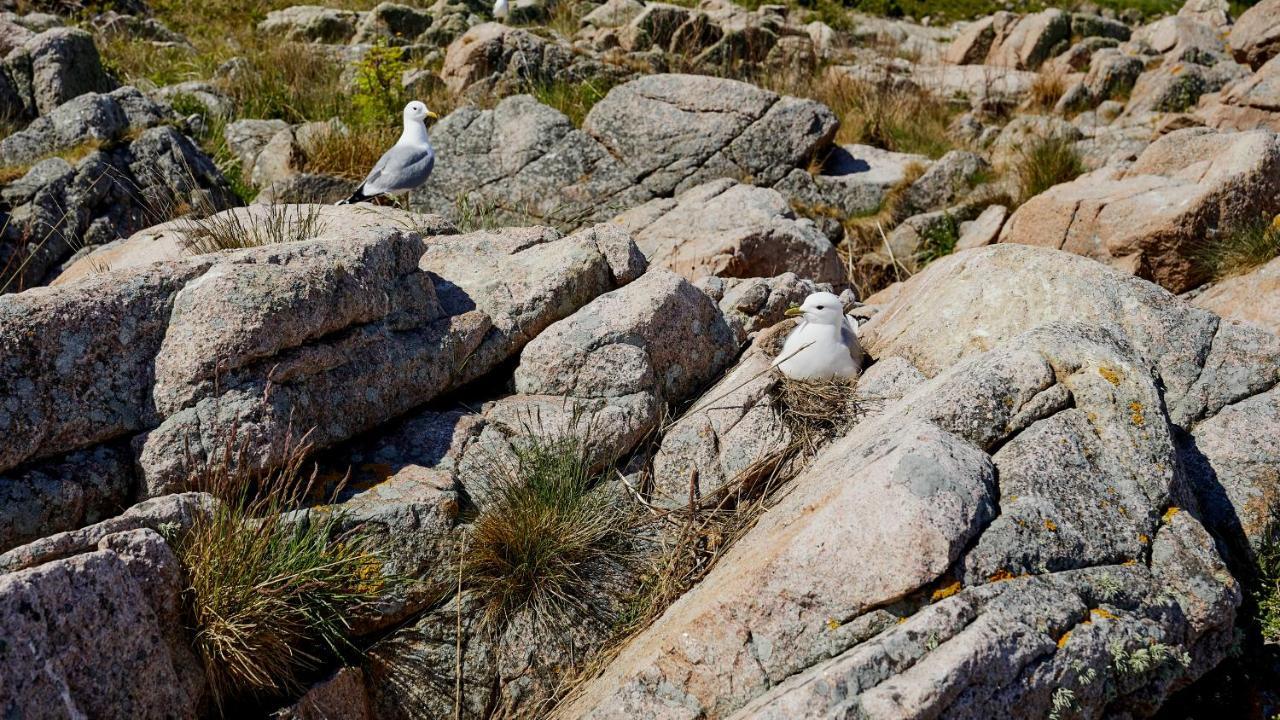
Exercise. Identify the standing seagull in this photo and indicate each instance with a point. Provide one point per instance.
(407, 164)
(825, 343)
(501, 10)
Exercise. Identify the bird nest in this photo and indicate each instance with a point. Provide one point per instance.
(815, 411)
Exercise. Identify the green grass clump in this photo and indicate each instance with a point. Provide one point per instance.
(939, 240)
(270, 597)
(1045, 162)
(574, 99)
(1239, 250)
(550, 541)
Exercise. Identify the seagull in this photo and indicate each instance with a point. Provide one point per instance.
(824, 345)
(407, 164)
(501, 10)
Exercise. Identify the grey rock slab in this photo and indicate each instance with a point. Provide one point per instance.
(762, 612)
(90, 635)
(729, 229)
(658, 334)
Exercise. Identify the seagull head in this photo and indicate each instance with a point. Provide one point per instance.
(418, 112)
(820, 308)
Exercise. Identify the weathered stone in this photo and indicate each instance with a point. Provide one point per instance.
(1247, 104)
(1253, 297)
(982, 230)
(310, 23)
(392, 23)
(728, 229)
(98, 635)
(246, 138)
(658, 334)
(945, 182)
(651, 137)
(63, 64)
(1149, 218)
(70, 492)
(1255, 37)
(341, 695)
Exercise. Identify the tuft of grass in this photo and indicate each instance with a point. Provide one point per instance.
(550, 540)
(269, 595)
(289, 81)
(260, 225)
(1046, 90)
(1239, 250)
(877, 113)
(348, 154)
(1043, 163)
(574, 99)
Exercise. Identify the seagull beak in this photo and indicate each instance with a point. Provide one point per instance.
(432, 115)
(793, 311)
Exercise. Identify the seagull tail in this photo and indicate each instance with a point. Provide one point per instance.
(357, 196)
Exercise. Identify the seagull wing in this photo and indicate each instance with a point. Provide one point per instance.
(403, 167)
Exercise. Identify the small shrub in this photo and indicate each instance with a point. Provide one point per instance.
(1153, 658)
(1045, 162)
(378, 93)
(1239, 250)
(550, 542)
(939, 240)
(259, 225)
(270, 597)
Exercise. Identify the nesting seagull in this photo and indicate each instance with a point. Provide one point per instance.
(825, 343)
(407, 164)
(501, 10)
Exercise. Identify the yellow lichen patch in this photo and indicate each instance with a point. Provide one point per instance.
(1062, 641)
(946, 591)
(1142, 538)
(1012, 498)
(1168, 514)
(1050, 525)
(1109, 374)
(369, 578)
(1135, 413)
(1100, 614)
(1001, 575)
(1130, 561)
(833, 623)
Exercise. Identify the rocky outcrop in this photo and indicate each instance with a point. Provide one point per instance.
(49, 69)
(1247, 104)
(652, 137)
(929, 541)
(126, 170)
(1148, 218)
(340, 331)
(495, 58)
(1008, 40)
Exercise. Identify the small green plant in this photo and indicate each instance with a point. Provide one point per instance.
(270, 595)
(550, 541)
(1062, 703)
(1240, 249)
(939, 239)
(574, 99)
(1154, 657)
(1107, 587)
(254, 226)
(378, 92)
(1045, 162)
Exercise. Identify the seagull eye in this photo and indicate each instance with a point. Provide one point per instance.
(819, 307)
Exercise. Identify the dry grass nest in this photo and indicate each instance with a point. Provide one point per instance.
(817, 411)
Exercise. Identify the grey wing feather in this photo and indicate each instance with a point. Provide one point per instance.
(849, 333)
(400, 168)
